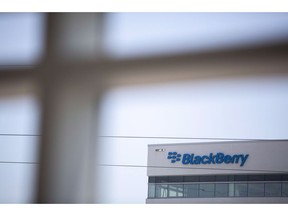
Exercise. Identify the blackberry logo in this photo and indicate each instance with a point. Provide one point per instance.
(174, 157)
(218, 158)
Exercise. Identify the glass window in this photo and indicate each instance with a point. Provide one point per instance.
(273, 190)
(231, 178)
(162, 179)
(231, 189)
(151, 190)
(222, 178)
(284, 177)
(240, 190)
(252, 189)
(206, 190)
(207, 178)
(256, 177)
(176, 179)
(284, 189)
(240, 178)
(273, 177)
(256, 190)
(151, 180)
(191, 179)
(221, 190)
(161, 191)
(176, 190)
(191, 190)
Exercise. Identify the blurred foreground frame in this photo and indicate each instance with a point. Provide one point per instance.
(76, 72)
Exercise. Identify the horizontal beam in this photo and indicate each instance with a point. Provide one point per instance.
(198, 65)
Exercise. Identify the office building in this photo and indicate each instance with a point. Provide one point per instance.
(218, 172)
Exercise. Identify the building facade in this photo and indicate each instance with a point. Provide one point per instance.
(218, 172)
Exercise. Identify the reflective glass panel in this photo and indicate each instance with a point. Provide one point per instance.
(284, 189)
(273, 190)
(240, 190)
(256, 190)
(221, 190)
(151, 179)
(240, 178)
(161, 179)
(176, 179)
(231, 178)
(256, 178)
(161, 191)
(176, 190)
(207, 178)
(151, 190)
(231, 189)
(191, 190)
(191, 179)
(206, 190)
(284, 177)
(222, 178)
(273, 177)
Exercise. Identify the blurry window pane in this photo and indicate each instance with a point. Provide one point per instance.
(231, 178)
(221, 178)
(191, 179)
(272, 189)
(284, 189)
(285, 177)
(221, 190)
(176, 179)
(151, 190)
(162, 179)
(176, 190)
(231, 190)
(207, 178)
(240, 190)
(152, 179)
(206, 190)
(161, 191)
(273, 177)
(240, 178)
(256, 177)
(256, 190)
(191, 190)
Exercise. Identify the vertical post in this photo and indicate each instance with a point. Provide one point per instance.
(68, 111)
